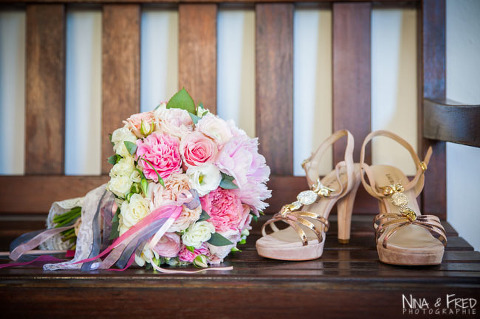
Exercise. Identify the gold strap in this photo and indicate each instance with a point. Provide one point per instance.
(388, 224)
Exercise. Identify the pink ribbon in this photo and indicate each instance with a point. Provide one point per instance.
(41, 259)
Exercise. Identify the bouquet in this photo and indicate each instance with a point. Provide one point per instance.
(180, 148)
(184, 188)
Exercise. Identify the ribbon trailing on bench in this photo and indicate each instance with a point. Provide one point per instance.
(122, 251)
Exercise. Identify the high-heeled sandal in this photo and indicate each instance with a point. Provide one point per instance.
(404, 236)
(307, 217)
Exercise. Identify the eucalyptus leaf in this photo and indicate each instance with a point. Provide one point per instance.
(131, 147)
(115, 222)
(112, 159)
(219, 240)
(182, 100)
(203, 216)
(227, 182)
(195, 118)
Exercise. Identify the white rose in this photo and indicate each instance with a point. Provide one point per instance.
(135, 177)
(198, 233)
(214, 127)
(124, 167)
(134, 211)
(119, 136)
(120, 185)
(204, 178)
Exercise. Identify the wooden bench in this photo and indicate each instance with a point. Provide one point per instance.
(348, 281)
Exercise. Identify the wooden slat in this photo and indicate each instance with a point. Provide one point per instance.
(451, 121)
(434, 196)
(351, 74)
(120, 70)
(35, 194)
(197, 52)
(45, 89)
(397, 2)
(274, 81)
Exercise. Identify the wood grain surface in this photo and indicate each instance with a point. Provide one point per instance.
(451, 121)
(348, 281)
(274, 81)
(120, 70)
(45, 89)
(433, 63)
(351, 75)
(197, 52)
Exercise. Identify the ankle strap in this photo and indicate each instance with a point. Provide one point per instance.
(311, 164)
(416, 183)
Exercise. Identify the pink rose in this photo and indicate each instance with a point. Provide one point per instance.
(198, 149)
(188, 256)
(134, 123)
(168, 246)
(160, 150)
(225, 209)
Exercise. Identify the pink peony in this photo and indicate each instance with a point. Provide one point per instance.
(225, 209)
(239, 158)
(198, 149)
(168, 246)
(188, 256)
(162, 151)
(134, 123)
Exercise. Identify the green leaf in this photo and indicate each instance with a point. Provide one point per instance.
(144, 185)
(195, 118)
(243, 241)
(219, 240)
(182, 100)
(113, 159)
(110, 138)
(227, 182)
(160, 179)
(131, 147)
(115, 221)
(203, 216)
(255, 218)
(235, 249)
(191, 248)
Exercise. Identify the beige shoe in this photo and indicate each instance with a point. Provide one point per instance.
(404, 236)
(307, 217)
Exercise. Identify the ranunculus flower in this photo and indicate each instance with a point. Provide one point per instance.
(188, 256)
(132, 212)
(141, 124)
(225, 209)
(162, 151)
(214, 127)
(197, 149)
(119, 136)
(168, 245)
(204, 178)
(198, 233)
(173, 121)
